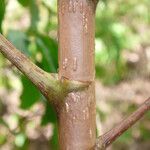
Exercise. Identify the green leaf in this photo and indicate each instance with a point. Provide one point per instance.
(24, 2)
(30, 94)
(3, 139)
(34, 12)
(54, 139)
(49, 115)
(126, 137)
(48, 48)
(2, 12)
(20, 40)
(144, 132)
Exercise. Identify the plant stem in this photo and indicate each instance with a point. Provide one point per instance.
(47, 83)
(77, 113)
(108, 138)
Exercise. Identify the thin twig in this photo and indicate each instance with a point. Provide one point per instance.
(108, 138)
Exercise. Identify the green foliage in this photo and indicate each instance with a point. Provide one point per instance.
(111, 40)
(144, 132)
(117, 25)
(34, 43)
(54, 139)
(3, 139)
(30, 94)
(2, 12)
(20, 40)
(48, 48)
(24, 3)
(49, 115)
(126, 137)
(34, 12)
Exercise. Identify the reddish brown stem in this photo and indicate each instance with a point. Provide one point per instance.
(105, 140)
(77, 113)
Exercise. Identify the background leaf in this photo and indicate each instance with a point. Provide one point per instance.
(30, 94)
(20, 40)
(24, 2)
(34, 12)
(48, 47)
(2, 12)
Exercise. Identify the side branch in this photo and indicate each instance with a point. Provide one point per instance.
(39, 77)
(47, 83)
(105, 140)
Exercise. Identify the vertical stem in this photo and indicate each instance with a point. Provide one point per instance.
(76, 113)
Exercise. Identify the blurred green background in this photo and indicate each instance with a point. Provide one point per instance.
(122, 49)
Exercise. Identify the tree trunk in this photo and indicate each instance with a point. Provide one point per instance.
(77, 111)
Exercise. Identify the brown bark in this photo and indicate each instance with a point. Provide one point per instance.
(76, 114)
(76, 123)
(76, 39)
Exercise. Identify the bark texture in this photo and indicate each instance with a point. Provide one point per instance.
(76, 39)
(76, 114)
(76, 123)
